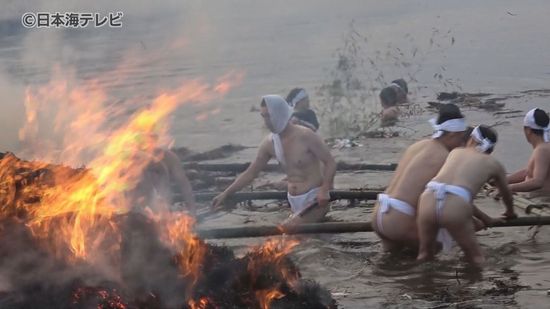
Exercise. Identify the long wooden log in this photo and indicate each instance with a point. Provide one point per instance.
(282, 195)
(240, 167)
(330, 227)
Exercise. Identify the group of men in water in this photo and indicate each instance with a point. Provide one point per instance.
(429, 201)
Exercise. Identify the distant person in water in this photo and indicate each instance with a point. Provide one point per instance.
(445, 209)
(300, 152)
(535, 178)
(390, 97)
(395, 211)
(303, 115)
(306, 118)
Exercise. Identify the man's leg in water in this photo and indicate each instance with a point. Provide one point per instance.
(312, 214)
(478, 224)
(464, 235)
(427, 229)
(427, 232)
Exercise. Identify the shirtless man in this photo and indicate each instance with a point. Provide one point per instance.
(536, 177)
(395, 211)
(303, 115)
(300, 152)
(446, 209)
(390, 98)
(155, 187)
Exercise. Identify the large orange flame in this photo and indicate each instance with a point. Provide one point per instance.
(76, 123)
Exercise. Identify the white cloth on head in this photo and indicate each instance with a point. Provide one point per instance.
(452, 125)
(302, 94)
(278, 146)
(396, 84)
(279, 116)
(279, 112)
(529, 121)
(484, 143)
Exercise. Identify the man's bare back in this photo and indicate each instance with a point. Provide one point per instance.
(395, 210)
(419, 164)
(447, 202)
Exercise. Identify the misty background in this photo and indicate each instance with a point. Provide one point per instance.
(497, 46)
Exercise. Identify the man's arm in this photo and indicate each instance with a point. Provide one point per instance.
(248, 175)
(518, 176)
(318, 147)
(178, 175)
(501, 183)
(478, 213)
(541, 163)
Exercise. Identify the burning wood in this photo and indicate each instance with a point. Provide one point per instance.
(132, 259)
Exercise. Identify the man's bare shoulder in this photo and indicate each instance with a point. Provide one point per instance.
(416, 147)
(266, 145)
(307, 135)
(422, 143)
(543, 150)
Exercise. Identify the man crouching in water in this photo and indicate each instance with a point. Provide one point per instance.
(300, 151)
(395, 211)
(446, 209)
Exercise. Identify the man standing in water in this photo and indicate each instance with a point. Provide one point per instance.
(163, 168)
(300, 152)
(395, 211)
(536, 177)
(446, 208)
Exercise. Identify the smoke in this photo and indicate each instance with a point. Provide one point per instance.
(31, 57)
(12, 115)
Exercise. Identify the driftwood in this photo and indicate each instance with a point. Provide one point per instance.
(240, 167)
(281, 195)
(330, 227)
(531, 207)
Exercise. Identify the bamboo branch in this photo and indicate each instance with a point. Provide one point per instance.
(330, 227)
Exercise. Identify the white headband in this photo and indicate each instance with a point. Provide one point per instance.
(396, 84)
(529, 121)
(302, 94)
(484, 143)
(452, 125)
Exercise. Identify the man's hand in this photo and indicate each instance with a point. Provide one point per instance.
(492, 221)
(217, 202)
(509, 214)
(323, 197)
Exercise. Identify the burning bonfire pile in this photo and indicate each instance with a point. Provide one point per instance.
(71, 237)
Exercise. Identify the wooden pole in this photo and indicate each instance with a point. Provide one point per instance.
(282, 195)
(240, 167)
(329, 227)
